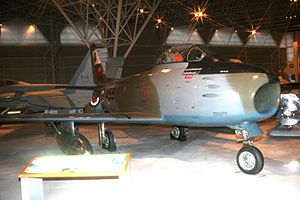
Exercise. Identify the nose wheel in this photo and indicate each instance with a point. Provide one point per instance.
(250, 160)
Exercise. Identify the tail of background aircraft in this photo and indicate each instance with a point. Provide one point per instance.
(96, 68)
(83, 75)
(104, 67)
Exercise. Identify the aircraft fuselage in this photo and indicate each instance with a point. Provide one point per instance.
(224, 98)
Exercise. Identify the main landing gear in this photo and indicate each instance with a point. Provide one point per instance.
(106, 138)
(179, 133)
(249, 159)
(71, 142)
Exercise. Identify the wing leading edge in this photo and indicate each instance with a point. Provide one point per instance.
(85, 118)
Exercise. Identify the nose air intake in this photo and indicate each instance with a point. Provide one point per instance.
(267, 96)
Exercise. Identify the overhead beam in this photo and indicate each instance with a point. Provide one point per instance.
(142, 29)
(86, 43)
(117, 28)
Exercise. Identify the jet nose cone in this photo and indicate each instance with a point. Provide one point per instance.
(266, 99)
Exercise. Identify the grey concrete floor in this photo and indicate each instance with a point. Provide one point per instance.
(203, 167)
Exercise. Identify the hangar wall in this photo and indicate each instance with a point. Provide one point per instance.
(144, 56)
(30, 53)
(33, 62)
(149, 47)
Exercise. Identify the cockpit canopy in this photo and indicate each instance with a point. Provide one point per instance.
(182, 53)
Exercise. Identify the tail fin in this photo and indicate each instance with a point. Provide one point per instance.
(84, 74)
(97, 67)
(82, 77)
(105, 68)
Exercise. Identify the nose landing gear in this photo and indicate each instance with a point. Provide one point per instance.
(250, 159)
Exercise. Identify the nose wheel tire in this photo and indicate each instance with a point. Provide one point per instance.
(179, 133)
(250, 160)
(109, 142)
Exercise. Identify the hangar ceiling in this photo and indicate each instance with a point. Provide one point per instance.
(102, 16)
(279, 15)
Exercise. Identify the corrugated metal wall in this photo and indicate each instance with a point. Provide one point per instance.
(33, 62)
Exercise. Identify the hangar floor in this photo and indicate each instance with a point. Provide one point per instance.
(204, 166)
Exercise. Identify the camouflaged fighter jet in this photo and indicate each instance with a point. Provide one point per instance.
(187, 87)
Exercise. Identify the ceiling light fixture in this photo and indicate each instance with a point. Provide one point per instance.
(199, 14)
(31, 28)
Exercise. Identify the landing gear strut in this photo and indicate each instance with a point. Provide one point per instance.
(106, 138)
(249, 159)
(179, 133)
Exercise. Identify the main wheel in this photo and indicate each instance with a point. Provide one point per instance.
(178, 133)
(250, 160)
(109, 142)
(74, 144)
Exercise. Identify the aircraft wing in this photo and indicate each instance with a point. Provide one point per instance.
(36, 100)
(85, 118)
(75, 87)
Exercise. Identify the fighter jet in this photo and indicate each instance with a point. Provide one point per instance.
(187, 87)
(19, 96)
